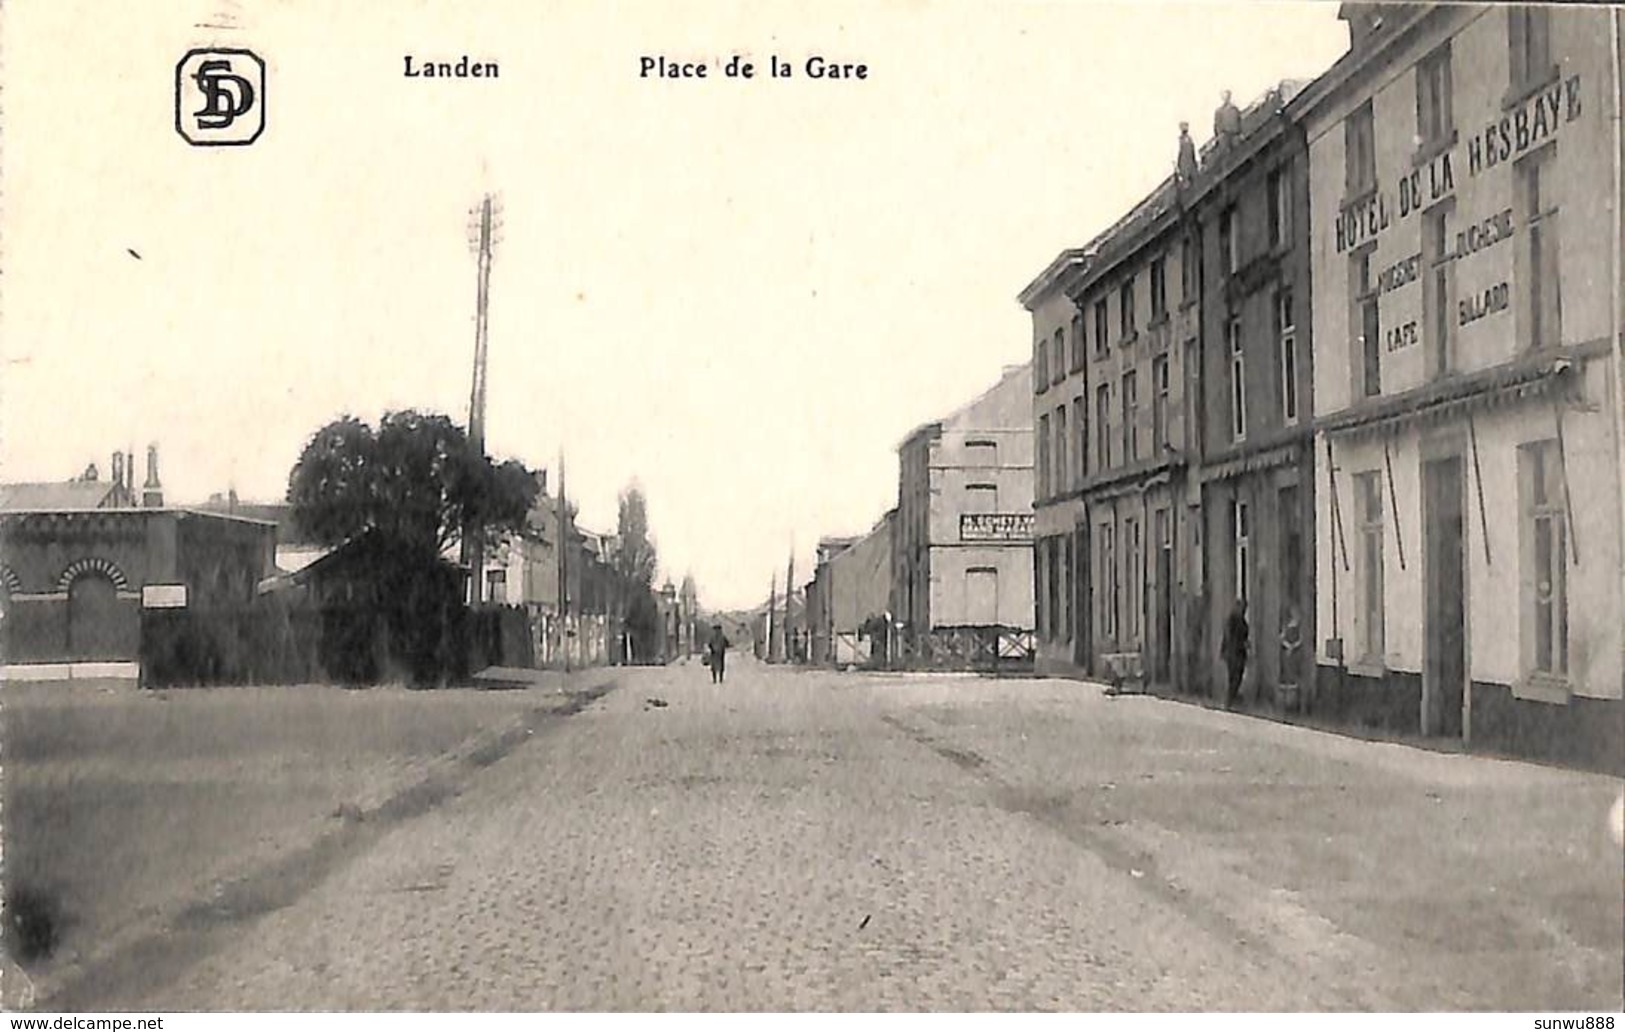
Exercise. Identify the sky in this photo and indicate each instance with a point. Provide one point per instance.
(741, 294)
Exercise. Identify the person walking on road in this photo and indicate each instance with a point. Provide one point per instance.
(716, 653)
(1234, 651)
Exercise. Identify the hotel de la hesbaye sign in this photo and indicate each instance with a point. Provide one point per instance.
(1483, 288)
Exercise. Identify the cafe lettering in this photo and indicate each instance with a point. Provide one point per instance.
(1536, 120)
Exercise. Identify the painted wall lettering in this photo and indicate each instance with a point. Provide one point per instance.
(1534, 121)
(1402, 336)
(1477, 237)
(1362, 221)
(1495, 299)
(1399, 274)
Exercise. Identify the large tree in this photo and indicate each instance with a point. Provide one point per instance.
(417, 480)
(634, 555)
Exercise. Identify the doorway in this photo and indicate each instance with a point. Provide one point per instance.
(1444, 615)
(1162, 595)
(94, 619)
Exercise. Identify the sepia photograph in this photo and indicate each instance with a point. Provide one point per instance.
(914, 507)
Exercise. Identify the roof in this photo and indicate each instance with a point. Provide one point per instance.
(1157, 209)
(934, 427)
(1050, 279)
(65, 495)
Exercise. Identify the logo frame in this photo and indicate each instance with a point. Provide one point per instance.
(257, 105)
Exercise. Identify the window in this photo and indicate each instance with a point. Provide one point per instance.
(1530, 41)
(1078, 351)
(1108, 570)
(1159, 288)
(1229, 244)
(1058, 359)
(1540, 308)
(1159, 405)
(1241, 535)
(1286, 333)
(1280, 190)
(981, 498)
(1041, 366)
(1545, 559)
(496, 585)
(1103, 415)
(1368, 511)
(1370, 330)
(1125, 308)
(1102, 340)
(1359, 152)
(1189, 264)
(1134, 569)
(1238, 379)
(1043, 456)
(1063, 478)
(1080, 426)
(1438, 300)
(1131, 411)
(1434, 120)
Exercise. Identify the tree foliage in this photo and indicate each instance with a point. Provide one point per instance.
(634, 556)
(417, 480)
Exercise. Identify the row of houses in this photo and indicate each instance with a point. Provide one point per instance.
(944, 579)
(98, 579)
(1356, 362)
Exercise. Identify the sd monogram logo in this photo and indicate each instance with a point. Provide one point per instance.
(220, 97)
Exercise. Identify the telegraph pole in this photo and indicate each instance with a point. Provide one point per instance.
(564, 569)
(481, 241)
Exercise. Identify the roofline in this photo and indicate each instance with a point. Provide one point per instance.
(1353, 62)
(1054, 274)
(157, 510)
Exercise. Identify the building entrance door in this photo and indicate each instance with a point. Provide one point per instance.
(1162, 614)
(93, 619)
(1082, 608)
(1444, 673)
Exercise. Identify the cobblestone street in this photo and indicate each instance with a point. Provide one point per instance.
(820, 841)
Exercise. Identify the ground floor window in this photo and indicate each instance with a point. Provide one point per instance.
(1544, 559)
(1368, 513)
(1241, 535)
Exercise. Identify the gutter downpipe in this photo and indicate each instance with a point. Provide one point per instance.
(1618, 314)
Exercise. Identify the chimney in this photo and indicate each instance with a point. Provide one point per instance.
(118, 469)
(129, 473)
(152, 492)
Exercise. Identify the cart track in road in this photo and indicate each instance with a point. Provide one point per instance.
(156, 955)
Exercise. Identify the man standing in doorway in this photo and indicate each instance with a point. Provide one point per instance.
(1234, 651)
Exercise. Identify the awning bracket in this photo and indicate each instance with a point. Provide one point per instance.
(1393, 502)
(1478, 484)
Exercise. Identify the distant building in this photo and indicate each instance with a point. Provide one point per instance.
(963, 547)
(1466, 221)
(80, 561)
(848, 605)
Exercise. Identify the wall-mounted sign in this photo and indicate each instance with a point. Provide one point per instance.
(163, 596)
(996, 526)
